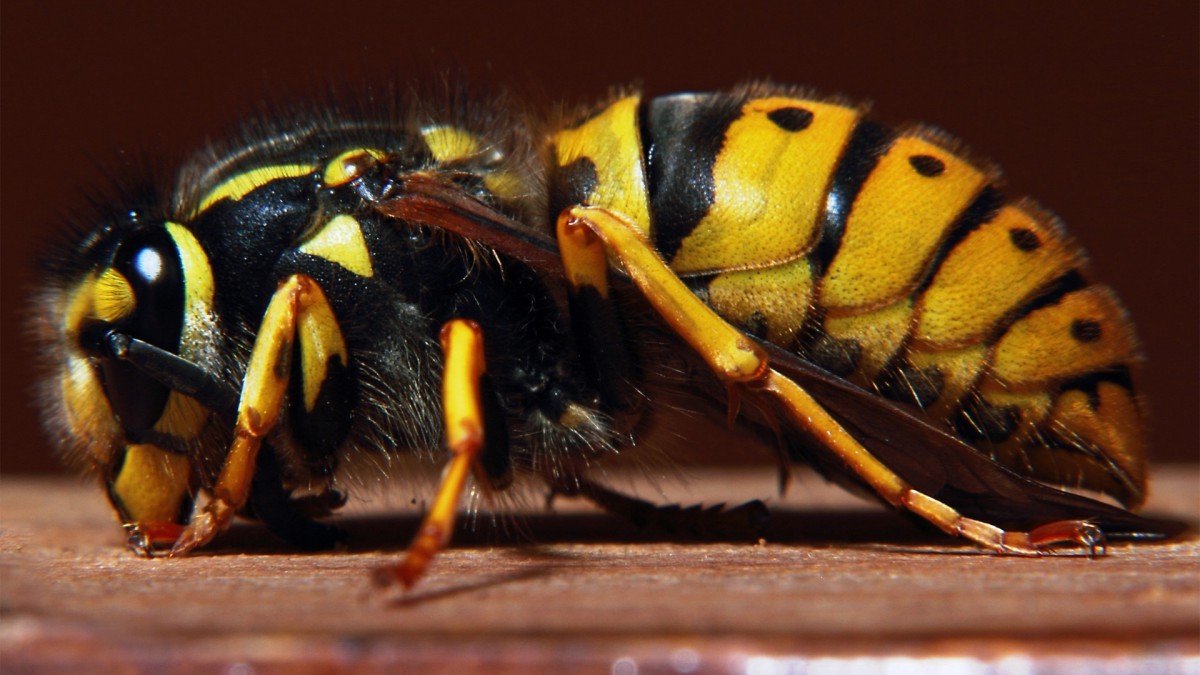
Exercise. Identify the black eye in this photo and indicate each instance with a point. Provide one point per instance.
(150, 263)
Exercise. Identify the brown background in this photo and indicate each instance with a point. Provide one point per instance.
(1091, 107)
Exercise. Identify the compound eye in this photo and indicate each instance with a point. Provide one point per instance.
(149, 262)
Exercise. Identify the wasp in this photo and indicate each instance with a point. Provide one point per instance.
(351, 285)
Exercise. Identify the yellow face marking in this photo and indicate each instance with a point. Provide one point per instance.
(320, 340)
(988, 274)
(611, 141)
(197, 274)
(341, 241)
(770, 184)
(905, 208)
(350, 165)
(89, 414)
(781, 295)
(112, 296)
(80, 301)
(183, 417)
(242, 184)
(1086, 331)
(449, 143)
(152, 484)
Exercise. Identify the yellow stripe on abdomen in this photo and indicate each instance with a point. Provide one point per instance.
(770, 180)
(612, 144)
(988, 275)
(906, 207)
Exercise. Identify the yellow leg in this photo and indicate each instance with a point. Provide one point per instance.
(462, 342)
(730, 354)
(583, 257)
(261, 400)
(595, 319)
(736, 360)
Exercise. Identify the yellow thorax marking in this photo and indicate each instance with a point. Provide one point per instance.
(449, 143)
(341, 241)
(505, 184)
(350, 165)
(243, 183)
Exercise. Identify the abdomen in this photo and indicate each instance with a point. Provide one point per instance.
(887, 256)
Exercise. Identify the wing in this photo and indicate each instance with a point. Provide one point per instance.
(429, 200)
(942, 466)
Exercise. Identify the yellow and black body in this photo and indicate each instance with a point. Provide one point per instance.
(348, 287)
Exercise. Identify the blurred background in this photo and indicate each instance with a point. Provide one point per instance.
(1090, 107)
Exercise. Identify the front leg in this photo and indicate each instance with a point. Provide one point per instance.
(298, 308)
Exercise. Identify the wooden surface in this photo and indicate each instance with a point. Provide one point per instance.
(837, 581)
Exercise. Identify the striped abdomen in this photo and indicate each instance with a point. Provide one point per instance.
(883, 255)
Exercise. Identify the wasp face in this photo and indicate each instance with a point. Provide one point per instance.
(149, 284)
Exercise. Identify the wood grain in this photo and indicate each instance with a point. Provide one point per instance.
(835, 581)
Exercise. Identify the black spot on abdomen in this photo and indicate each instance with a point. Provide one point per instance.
(927, 165)
(791, 119)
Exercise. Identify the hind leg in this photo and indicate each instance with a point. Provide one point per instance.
(738, 362)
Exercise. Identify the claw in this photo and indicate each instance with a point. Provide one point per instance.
(215, 518)
(150, 540)
(1042, 540)
(1080, 532)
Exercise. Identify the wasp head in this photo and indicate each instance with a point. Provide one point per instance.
(137, 294)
